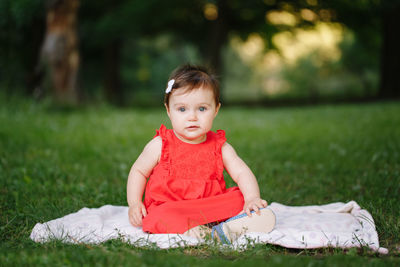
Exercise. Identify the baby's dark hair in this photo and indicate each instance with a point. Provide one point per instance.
(193, 77)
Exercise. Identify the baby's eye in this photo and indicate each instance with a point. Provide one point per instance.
(181, 109)
(202, 108)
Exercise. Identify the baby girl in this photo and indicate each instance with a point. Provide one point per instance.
(181, 170)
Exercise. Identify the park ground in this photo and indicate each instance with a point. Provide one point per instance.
(54, 162)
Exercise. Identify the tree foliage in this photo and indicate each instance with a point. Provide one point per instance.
(22, 26)
(110, 32)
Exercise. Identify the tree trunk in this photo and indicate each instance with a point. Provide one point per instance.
(34, 76)
(112, 78)
(390, 58)
(218, 36)
(60, 49)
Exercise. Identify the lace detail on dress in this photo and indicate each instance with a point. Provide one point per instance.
(220, 135)
(186, 171)
(162, 132)
(220, 141)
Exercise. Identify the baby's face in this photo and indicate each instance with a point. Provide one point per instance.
(192, 113)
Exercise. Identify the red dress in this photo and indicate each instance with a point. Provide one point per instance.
(187, 187)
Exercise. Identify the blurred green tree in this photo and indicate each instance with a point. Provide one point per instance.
(208, 25)
(106, 27)
(376, 25)
(390, 57)
(22, 27)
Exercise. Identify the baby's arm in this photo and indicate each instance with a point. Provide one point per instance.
(140, 170)
(245, 179)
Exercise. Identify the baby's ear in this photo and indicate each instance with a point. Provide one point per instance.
(167, 108)
(217, 108)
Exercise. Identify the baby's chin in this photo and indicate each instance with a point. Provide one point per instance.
(194, 138)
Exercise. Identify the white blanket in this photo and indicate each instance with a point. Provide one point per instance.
(338, 224)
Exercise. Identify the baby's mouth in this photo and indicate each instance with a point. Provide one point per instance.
(192, 127)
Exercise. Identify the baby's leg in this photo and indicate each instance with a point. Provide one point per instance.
(241, 224)
(200, 232)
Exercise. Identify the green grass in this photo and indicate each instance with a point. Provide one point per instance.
(54, 162)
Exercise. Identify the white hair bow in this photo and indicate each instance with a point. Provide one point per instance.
(170, 84)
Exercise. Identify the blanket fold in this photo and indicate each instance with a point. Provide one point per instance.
(337, 224)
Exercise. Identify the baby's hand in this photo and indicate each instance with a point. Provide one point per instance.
(254, 204)
(136, 213)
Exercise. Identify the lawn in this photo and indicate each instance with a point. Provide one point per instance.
(54, 162)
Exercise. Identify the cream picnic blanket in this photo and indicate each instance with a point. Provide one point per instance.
(338, 224)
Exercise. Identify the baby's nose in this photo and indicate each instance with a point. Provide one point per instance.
(192, 116)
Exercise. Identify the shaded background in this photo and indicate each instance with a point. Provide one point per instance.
(265, 51)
